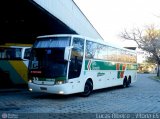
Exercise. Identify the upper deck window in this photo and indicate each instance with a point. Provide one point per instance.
(52, 42)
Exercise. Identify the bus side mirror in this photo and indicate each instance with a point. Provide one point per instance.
(67, 53)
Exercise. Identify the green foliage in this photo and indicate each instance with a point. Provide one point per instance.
(151, 59)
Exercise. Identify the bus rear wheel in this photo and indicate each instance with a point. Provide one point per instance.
(124, 82)
(88, 88)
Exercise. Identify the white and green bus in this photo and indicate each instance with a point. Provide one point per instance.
(67, 64)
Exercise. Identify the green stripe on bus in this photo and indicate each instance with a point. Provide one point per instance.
(101, 65)
(20, 68)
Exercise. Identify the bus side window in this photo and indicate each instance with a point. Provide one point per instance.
(18, 53)
(27, 53)
(76, 58)
(8, 54)
(2, 54)
(91, 48)
(112, 54)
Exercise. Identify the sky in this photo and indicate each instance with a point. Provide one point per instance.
(111, 17)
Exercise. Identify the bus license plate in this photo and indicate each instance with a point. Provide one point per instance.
(43, 88)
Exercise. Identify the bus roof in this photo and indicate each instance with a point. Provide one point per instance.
(1, 46)
(61, 35)
(15, 45)
(101, 41)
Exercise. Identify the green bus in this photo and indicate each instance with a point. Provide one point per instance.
(14, 59)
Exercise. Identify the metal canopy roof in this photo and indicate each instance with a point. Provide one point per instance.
(22, 21)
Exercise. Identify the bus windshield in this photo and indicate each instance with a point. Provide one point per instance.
(48, 63)
(47, 57)
(10, 53)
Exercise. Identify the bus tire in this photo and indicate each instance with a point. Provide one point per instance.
(88, 88)
(124, 82)
(129, 81)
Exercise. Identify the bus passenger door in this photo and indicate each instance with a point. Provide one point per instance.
(76, 62)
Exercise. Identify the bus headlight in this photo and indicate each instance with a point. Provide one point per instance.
(60, 82)
(30, 81)
(30, 89)
(61, 92)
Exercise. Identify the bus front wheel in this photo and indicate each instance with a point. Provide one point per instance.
(129, 81)
(88, 88)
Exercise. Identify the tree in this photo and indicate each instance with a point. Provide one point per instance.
(147, 40)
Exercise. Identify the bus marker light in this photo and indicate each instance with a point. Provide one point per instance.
(59, 82)
(61, 92)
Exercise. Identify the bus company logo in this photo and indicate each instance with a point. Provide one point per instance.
(100, 74)
(4, 115)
